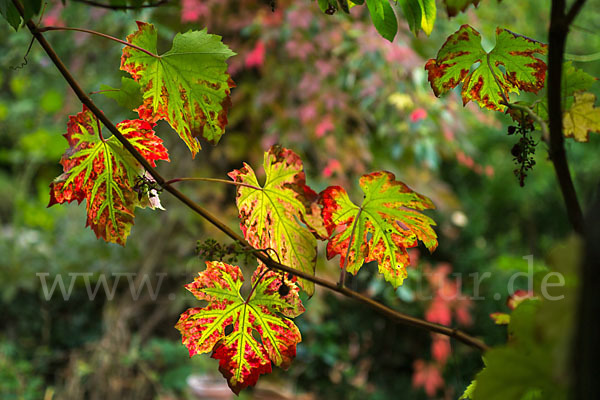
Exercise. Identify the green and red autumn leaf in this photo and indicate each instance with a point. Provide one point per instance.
(381, 229)
(188, 86)
(103, 173)
(281, 215)
(242, 358)
(510, 67)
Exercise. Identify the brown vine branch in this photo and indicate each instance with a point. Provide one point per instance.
(123, 42)
(384, 310)
(123, 7)
(559, 28)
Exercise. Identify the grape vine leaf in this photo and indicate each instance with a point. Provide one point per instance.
(573, 80)
(283, 214)
(242, 357)
(381, 228)
(453, 7)
(383, 17)
(188, 86)
(488, 84)
(103, 173)
(582, 118)
(129, 96)
(420, 14)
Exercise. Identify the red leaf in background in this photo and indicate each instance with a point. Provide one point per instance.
(332, 167)
(256, 58)
(418, 115)
(326, 125)
(427, 376)
(439, 312)
(440, 348)
(193, 10)
(447, 297)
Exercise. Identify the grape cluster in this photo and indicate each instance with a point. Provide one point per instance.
(211, 250)
(523, 150)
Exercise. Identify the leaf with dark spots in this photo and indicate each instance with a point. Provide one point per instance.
(381, 229)
(226, 326)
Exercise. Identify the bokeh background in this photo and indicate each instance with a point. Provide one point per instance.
(347, 101)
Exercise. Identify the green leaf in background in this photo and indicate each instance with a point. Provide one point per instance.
(129, 96)
(32, 7)
(428, 13)
(511, 373)
(10, 13)
(383, 18)
(412, 14)
(575, 80)
(534, 362)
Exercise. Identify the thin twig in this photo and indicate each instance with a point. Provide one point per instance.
(105, 90)
(572, 13)
(123, 7)
(99, 130)
(532, 115)
(266, 259)
(525, 109)
(123, 42)
(213, 180)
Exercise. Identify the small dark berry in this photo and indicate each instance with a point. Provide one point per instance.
(283, 290)
(512, 129)
(516, 150)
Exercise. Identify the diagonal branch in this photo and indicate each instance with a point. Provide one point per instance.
(124, 7)
(123, 42)
(265, 258)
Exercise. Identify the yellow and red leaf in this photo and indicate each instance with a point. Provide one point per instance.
(103, 173)
(381, 229)
(511, 66)
(281, 215)
(242, 358)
